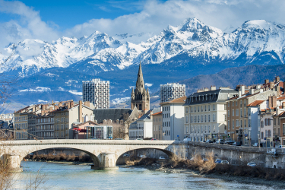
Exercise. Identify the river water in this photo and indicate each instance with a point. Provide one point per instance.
(65, 176)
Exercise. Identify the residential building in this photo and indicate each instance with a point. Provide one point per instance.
(119, 118)
(171, 91)
(21, 126)
(173, 119)
(66, 115)
(205, 113)
(97, 92)
(140, 96)
(282, 128)
(157, 125)
(142, 128)
(243, 110)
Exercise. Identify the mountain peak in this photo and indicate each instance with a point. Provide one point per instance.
(191, 24)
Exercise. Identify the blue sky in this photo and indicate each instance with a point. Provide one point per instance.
(49, 19)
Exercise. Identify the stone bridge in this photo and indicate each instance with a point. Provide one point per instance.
(104, 153)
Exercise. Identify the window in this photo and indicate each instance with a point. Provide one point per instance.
(209, 118)
(201, 118)
(205, 118)
(262, 124)
(237, 111)
(194, 109)
(186, 109)
(262, 136)
(214, 107)
(233, 112)
(186, 119)
(240, 103)
(248, 122)
(283, 129)
(229, 125)
(198, 118)
(241, 123)
(237, 123)
(269, 133)
(214, 117)
(228, 113)
(225, 116)
(191, 109)
(209, 109)
(201, 108)
(198, 108)
(244, 112)
(266, 133)
(240, 112)
(236, 103)
(274, 121)
(244, 123)
(233, 124)
(205, 108)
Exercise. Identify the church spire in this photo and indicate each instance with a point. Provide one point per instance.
(140, 82)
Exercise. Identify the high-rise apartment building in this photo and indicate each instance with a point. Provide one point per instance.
(97, 92)
(171, 91)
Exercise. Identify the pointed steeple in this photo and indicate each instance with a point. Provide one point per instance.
(140, 82)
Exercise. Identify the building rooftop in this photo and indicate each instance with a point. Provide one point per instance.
(180, 100)
(256, 103)
(113, 114)
(158, 113)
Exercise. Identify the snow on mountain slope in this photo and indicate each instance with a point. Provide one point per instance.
(192, 38)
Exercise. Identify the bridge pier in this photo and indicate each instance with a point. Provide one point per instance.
(106, 160)
(13, 162)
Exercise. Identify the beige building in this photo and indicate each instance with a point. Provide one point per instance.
(157, 125)
(66, 115)
(243, 110)
(205, 114)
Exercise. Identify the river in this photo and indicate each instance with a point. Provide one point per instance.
(65, 176)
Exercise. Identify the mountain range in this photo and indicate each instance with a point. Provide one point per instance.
(55, 71)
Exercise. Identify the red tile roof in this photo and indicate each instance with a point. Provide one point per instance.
(158, 113)
(176, 101)
(256, 103)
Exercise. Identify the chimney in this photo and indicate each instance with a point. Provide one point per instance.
(206, 89)
(213, 88)
(277, 79)
(59, 104)
(239, 93)
(266, 81)
(251, 91)
(278, 111)
(277, 88)
(87, 103)
(80, 111)
(271, 85)
(261, 90)
(274, 101)
(71, 103)
(270, 104)
(242, 89)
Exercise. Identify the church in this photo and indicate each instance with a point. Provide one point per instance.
(140, 96)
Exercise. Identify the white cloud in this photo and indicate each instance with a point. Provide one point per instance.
(151, 17)
(29, 25)
(37, 89)
(75, 92)
(120, 100)
(157, 15)
(148, 84)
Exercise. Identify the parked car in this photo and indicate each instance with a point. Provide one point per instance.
(209, 141)
(186, 139)
(255, 145)
(126, 155)
(225, 162)
(237, 143)
(281, 146)
(139, 139)
(161, 158)
(229, 141)
(220, 141)
(251, 164)
(153, 139)
(218, 161)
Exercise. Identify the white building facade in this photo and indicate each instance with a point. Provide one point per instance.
(97, 92)
(205, 114)
(173, 119)
(142, 128)
(171, 91)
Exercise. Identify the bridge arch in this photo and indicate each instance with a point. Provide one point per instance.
(135, 151)
(94, 157)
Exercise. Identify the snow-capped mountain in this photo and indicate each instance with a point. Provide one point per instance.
(192, 39)
(55, 71)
